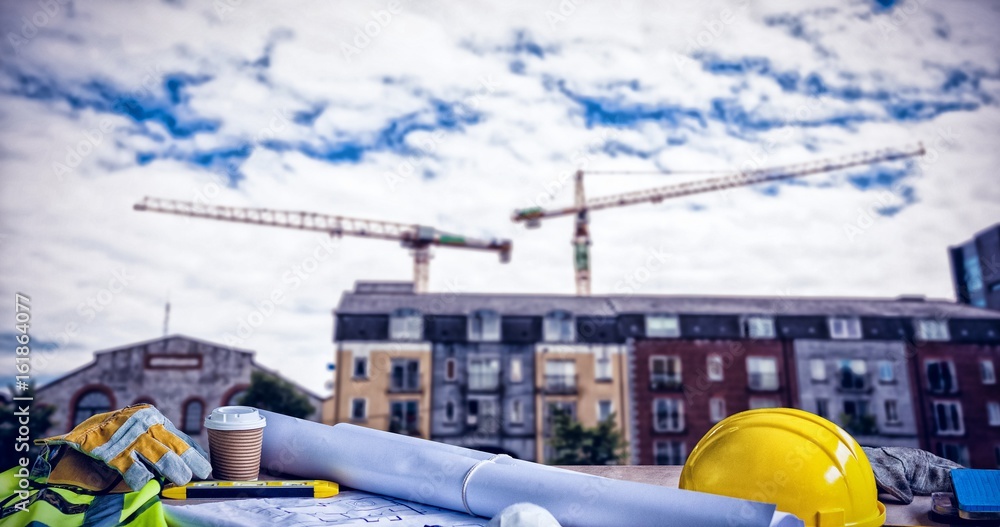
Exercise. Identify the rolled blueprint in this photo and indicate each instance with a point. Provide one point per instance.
(467, 480)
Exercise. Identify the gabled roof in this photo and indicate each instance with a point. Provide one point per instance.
(171, 337)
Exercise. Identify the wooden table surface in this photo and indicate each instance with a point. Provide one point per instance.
(668, 476)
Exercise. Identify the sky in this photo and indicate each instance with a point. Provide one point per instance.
(453, 114)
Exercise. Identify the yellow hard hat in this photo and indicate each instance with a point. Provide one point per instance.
(805, 464)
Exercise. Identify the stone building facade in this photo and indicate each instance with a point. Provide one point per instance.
(185, 378)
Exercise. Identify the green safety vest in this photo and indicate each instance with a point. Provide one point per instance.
(62, 506)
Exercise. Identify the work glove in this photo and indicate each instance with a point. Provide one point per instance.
(902, 472)
(523, 515)
(129, 439)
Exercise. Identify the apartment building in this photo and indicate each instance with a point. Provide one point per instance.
(954, 366)
(494, 369)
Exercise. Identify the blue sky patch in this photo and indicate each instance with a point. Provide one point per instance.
(346, 148)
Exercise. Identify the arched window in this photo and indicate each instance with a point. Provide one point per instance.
(234, 399)
(406, 324)
(92, 402)
(194, 414)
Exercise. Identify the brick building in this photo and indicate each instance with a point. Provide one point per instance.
(669, 367)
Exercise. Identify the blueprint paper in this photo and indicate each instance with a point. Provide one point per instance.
(429, 472)
(349, 508)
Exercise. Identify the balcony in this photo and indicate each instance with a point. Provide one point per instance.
(413, 387)
(560, 384)
(665, 383)
(486, 382)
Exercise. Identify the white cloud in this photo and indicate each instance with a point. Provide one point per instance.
(65, 238)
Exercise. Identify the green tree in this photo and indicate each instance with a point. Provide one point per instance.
(40, 420)
(575, 444)
(268, 392)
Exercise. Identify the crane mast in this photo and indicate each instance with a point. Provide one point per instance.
(581, 206)
(418, 238)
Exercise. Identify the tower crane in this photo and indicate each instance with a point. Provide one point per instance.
(419, 238)
(581, 207)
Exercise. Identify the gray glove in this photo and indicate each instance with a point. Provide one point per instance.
(523, 515)
(902, 472)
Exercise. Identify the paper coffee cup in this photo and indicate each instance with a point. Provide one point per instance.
(235, 434)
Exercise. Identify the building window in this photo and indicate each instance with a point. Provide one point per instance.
(360, 367)
(604, 410)
(194, 415)
(986, 371)
(669, 452)
(817, 370)
(714, 368)
(472, 412)
(449, 411)
(602, 365)
(757, 403)
(662, 326)
(484, 326)
(235, 398)
(404, 417)
(941, 376)
(405, 375)
(845, 327)
(516, 369)
(891, 412)
(560, 375)
(759, 327)
(932, 329)
(517, 412)
(717, 409)
(450, 369)
(665, 373)
(993, 412)
(406, 324)
(853, 374)
(558, 407)
(857, 418)
(762, 373)
(886, 371)
(90, 404)
(948, 418)
(668, 415)
(823, 408)
(955, 452)
(558, 327)
(359, 409)
(484, 374)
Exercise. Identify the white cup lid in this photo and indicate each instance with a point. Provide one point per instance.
(235, 418)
